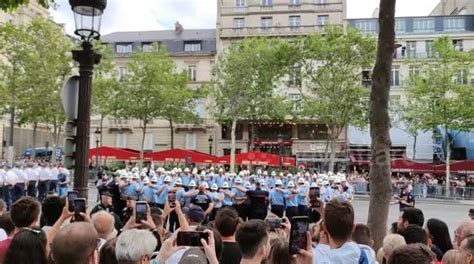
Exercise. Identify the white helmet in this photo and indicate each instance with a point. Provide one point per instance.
(135, 176)
(241, 173)
(225, 185)
(195, 171)
(205, 185)
(143, 174)
(192, 184)
(247, 185)
(211, 168)
(259, 172)
(278, 182)
(306, 184)
(313, 184)
(186, 170)
(319, 182)
(262, 182)
(300, 181)
(154, 179)
(221, 170)
(214, 187)
(332, 178)
(167, 179)
(324, 177)
(265, 173)
(146, 181)
(274, 173)
(306, 174)
(325, 183)
(203, 173)
(178, 182)
(238, 180)
(289, 175)
(179, 170)
(337, 180)
(291, 184)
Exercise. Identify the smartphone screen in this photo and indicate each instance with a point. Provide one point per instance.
(172, 199)
(79, 207)
(140, 212)
(274, 223)
(314, 193)
(299, 227)
(191, 238)
(71, 196)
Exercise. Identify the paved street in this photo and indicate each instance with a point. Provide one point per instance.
(452, 212)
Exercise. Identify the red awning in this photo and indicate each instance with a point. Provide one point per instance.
(406, 165)
(260, 158)
(113, 153)
(459, 167)
(180, 155)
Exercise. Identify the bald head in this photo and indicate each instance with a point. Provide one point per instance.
(75, 243)
(104, 224)
(464, 229)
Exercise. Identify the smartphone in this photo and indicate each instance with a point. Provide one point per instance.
(274, 223)
(71, 196)
(314, 193)
(141, 209)
(299, 227)
(172, 199)
(191, 238)
(79, 207)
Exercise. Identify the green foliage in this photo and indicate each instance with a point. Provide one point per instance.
(245, 80)
(438, 95)
(332, 64)
(11, 5)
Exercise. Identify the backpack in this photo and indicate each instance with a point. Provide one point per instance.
(363, 259)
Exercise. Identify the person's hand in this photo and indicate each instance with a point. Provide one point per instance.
(209, 247)
(323, 237)
(86, 218)
(167, 209)
(286, 226)
(65, 214)
(305, 256)
(168, 248)
(177, 207)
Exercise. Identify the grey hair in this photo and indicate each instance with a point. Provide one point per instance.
(133, 244)
(104, 223)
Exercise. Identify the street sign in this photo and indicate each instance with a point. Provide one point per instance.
(70, 97)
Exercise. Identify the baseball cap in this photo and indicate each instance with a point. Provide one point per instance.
(194, 213)
(106, 193)
(193, 256)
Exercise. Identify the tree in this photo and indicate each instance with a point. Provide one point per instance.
(380, 186)
(105, 86)
(11, 5)
(243, 87)
(440, 94)
(407, 118)
(332, 64)
(152, 78)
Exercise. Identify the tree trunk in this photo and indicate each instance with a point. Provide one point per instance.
(232, 145)
(55, 136)
(332, 156)
(171, 134)
(101, 126)
(380, 186)
(448, 161)
(415, 137)
(142, 149)
(33, 150)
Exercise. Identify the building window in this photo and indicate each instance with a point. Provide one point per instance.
(323, 20)
(429, 48)
(395, 76)
(294, 21)
(148, 144)
(367, 26)
(123, 48)
(226, 131)
(146, 47)
(295, 76)
(400, 26)
(201, 109)
(192, 73)
(266, 22)
(191, 46)
(413, 71)
(267, 2)
(458, 45)
(121, 140)
(312, 131)
(294, 2)
(454, 24)
(239, 22)
(423, 25)
(123, 71)
(411, 49)
(190, 141)
(461, 77)
(239, 3)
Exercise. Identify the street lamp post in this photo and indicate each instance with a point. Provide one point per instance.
(97, 134)
(210, 140)
(280, 150)
(87, 17)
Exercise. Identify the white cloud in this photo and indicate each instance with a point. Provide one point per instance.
(133, 15)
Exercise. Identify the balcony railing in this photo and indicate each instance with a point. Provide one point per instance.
(309, 5)
(270, 31)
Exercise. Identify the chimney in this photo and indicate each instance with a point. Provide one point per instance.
(177, 27)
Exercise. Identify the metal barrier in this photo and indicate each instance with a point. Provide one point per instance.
(424, 191)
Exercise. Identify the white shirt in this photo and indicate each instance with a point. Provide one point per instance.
(21, 176)
(32, 174)
(54, 173)
(349, 253)
(2, 175)
(11, 178)
(45, 174)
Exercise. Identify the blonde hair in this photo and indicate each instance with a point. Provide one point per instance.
(392, 242)
(450, 256)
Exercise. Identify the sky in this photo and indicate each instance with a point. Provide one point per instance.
(134, 15)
